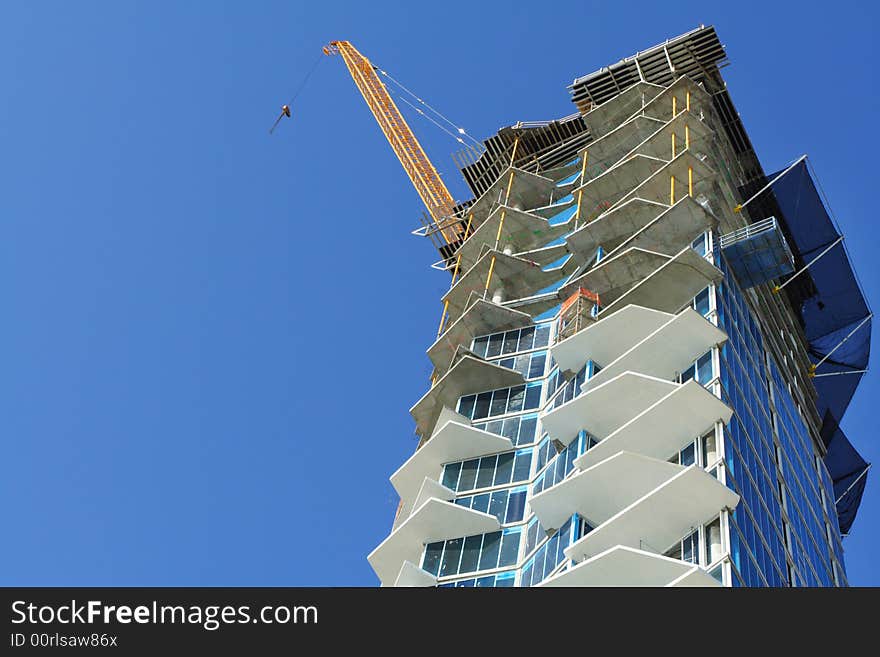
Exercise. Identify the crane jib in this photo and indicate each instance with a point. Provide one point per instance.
(409, 151)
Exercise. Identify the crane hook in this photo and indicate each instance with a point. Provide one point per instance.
(285, 111)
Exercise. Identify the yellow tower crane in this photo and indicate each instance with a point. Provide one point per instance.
(412, 156)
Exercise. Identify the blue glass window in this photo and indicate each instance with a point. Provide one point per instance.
(498, 504)
(701, 302)
(492, 581)
(552, 553)
(704, 368)
(450, 475)
(517, 396)
(542, 335)
(486, 474)
(701, 370)
(561, 465)
(433, 553)
(536, 366)
(505, 505)
(516, 505)
(526, 338)
(494, 470)
(477, 502)
(494, 346)
(479, 346)
(511, 340)
(466, 405)
(528, 429)
(501, 401)
(700, 245)
(688, 455)
(470, 554)
(481, 409)
(522, 465)
(533, 396)
(489, 553)
(468, 478)
(451, 557)
(504, 468)
(509, 548)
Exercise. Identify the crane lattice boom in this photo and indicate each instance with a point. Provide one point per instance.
(412, 156)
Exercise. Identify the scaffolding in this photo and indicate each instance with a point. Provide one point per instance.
(577, 312)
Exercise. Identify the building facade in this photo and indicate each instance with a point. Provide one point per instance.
(614, 402)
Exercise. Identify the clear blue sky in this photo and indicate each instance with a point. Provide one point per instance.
(211, 337)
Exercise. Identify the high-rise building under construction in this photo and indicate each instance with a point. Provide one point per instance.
(643, 357)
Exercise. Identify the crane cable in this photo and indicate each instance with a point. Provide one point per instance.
(459, 130)
(436, 123)
(285, 109)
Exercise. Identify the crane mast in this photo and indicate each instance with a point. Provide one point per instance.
(412, 156)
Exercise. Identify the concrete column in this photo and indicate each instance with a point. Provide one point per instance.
(710, 450)
(713, 539)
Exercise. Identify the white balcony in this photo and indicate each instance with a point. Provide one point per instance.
(529, 190)
(664, 428)
(601, 491)
(669, 287)
(435, 520)
(696, 577)
(666, 352)
(412, 576)
(611, 228)
(560, 204)
(521, 231)
(625, 566)
(617, 274)
(467, 376)
(432, 489)
(564, 171)
(659, 144)
(480, 318)
(453, 441)
(676, 228)
(606, 340)
(606, 407)
(686, 165)
(645, 224)
(517, 277)
(660, 105)
(547, 255)
(684, 502)
(609, 187)
(536, 304)
(608, 150)
(605, 117)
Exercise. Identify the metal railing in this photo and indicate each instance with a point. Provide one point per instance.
(763, 226)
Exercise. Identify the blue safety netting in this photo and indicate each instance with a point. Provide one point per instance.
(837, 305)
(848, 472)
(832, 306)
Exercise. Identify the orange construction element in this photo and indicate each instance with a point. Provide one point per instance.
(412, 156)
(580, 293)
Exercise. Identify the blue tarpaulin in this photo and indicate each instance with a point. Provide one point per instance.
(831, 308)
(848, 471)
(838, 305)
